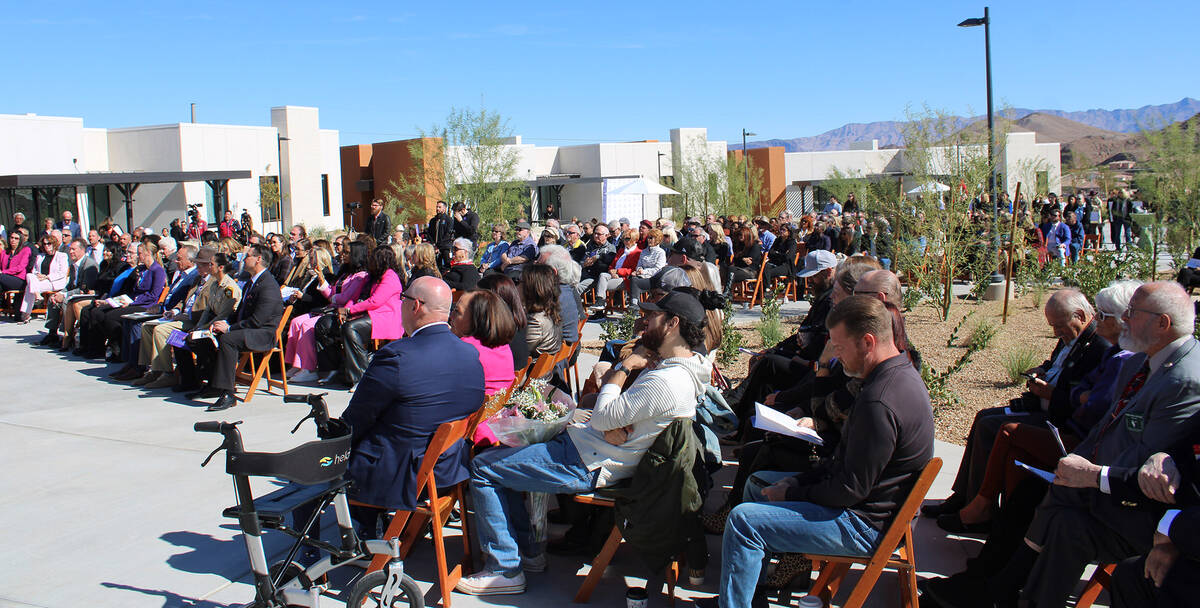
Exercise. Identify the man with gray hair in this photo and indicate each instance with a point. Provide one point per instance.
(569, 305)
(1048, 392)
(1155, 402)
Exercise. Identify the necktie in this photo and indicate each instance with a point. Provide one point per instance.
(1131, 389)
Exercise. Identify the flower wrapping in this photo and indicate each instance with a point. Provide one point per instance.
(534, 414)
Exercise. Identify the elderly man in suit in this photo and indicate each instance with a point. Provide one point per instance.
(411, 386)
(252, 328)
(70, 228)
(1048, 396)
(81, 277)
(1154, 409)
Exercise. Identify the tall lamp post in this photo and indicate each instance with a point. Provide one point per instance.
(746, 161)
(986, 22)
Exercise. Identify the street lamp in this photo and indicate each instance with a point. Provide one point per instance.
(746, 161)
(986, 22)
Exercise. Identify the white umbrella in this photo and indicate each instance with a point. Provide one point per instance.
(930, 187)
(643, 186)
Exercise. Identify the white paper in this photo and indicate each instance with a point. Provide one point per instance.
(1045, 475)
(774, 421)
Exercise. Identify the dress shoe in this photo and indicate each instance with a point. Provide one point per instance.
(127, 373)
(226, 401)
(958, 591)
(146, 378)
(952, 523)
(164, 380)
(50, 340)
(950, 505)
(206, 393)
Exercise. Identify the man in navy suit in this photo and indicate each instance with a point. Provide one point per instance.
(69, 227)
(412, 386)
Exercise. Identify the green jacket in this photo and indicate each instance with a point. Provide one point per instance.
(652, 509)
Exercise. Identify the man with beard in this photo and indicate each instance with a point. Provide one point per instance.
(843, 506)
(596, 454)
(441, 234)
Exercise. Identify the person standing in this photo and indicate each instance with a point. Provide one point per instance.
(69, 227)
(229, 227)
(441, 235)
(466, 223)
(379, 225)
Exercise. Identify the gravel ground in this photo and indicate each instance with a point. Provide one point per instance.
(980, 384)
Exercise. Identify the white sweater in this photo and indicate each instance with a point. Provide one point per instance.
(658, 396)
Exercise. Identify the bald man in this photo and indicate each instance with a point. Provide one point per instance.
(411, 386)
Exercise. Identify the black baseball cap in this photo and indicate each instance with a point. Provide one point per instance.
(689, 247)
(681, 304)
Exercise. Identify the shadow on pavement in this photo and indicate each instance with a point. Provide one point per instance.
(170, 600)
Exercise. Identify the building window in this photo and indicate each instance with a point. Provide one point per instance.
(99, 207)
(325, 194)
(269, 198)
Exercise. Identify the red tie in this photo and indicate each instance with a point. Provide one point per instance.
(1131, 389)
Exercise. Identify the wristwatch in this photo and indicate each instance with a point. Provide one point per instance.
(620, 367)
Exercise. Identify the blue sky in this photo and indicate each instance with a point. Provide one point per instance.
(567, 72)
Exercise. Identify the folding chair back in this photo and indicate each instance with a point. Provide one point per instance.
(409, 525)
(541, 367)
(250, 374)
(897, 539)
(750, 290)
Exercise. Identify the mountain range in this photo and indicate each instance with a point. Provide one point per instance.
(1105, 128)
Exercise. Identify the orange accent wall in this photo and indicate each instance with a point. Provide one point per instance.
(773, 197)
(386, 163)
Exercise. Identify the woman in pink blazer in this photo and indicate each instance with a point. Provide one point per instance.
(344, 347)
(301, 350)
(49, 273)
(14, 262)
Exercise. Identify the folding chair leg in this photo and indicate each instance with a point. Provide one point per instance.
(599, 564)
(282, 371)
(393, 530)
(828, 581)
(1100, 579)
(447, 579)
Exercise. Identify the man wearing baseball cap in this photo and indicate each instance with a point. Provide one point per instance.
(595, 454)
(522, 250)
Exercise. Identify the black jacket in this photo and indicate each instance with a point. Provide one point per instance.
(782, 251)
(259, 313)
(441, 231)
(886, 442)
(812, 329)
(379, 227)
(468, 226)
(462, 277)
(1088, 352)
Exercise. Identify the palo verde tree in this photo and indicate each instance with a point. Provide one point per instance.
(710, 183)
(467, 159)
(1172, 184)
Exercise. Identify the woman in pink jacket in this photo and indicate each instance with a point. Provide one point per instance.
(49, 273)
(342, 347)
(14, 262)
(301, 350)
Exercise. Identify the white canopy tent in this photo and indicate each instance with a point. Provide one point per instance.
(930, 187)
(642, 186)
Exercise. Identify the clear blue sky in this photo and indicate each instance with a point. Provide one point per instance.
(568, 72)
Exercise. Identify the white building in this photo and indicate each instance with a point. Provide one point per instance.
(51, 150)
(578, 180)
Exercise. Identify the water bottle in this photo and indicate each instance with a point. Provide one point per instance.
(811, 601)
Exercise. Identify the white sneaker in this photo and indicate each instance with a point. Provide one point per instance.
(491, 583)
(536, 563)
(304, 375)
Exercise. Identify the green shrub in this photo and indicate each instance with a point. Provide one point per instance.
(1017, 361)
(982, 334)
(953, 339)
(770, 328)
(622, 328)
(731, 339)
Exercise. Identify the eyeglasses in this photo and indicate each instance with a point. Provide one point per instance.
(414, 299)
(1129, 310)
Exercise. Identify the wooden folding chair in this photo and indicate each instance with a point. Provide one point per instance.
(898, 539)
(790, 280)
(602, 559)
(614, 301)
(1101, 580)
(749, 290)
(40, 307)
(249, 374)
(572, 373)
(1091, 241)
(541, 367)
(409, 525)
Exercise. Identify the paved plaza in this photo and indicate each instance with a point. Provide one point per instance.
(106, 504)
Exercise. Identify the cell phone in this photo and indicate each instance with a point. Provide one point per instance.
(1030, 375)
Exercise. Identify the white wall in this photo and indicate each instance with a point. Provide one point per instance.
(40, 144)
(155, 148)
(95, 150)
(331, 165)
(208, 147)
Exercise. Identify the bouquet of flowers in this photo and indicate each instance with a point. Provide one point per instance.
(534, 414)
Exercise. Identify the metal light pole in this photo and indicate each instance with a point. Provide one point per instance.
(746, 161)
(279, 139)
(986, 22)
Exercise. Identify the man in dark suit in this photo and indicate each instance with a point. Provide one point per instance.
(441, 234)
(1169, 575)
(1154, 409)
(1048, 396)
(81, 278)
(70, 228)
(411, 386)
(252, 328)
(379, 225)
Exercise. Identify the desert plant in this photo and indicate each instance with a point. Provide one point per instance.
(731, 339)
(953, 339)
(620, 329)
(941, 395)
(770, 328)
(982, 335)
(1017, 360)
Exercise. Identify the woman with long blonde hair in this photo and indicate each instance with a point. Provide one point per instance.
(424, 262)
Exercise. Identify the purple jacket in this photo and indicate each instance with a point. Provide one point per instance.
(149, 286)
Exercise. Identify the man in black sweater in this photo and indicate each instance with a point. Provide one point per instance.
(843, 507)
(379, 225)
(441, 234)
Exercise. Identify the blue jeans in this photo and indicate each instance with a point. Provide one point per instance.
(500, 475)
(756, 530)
(760, 480)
